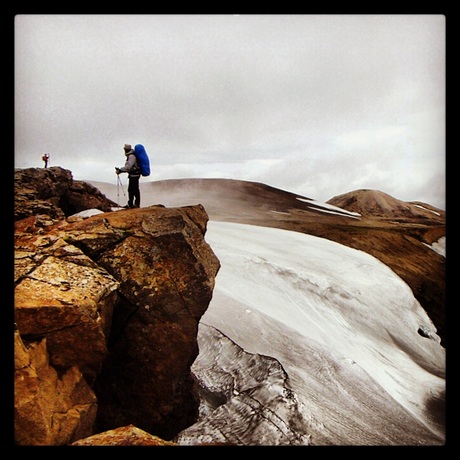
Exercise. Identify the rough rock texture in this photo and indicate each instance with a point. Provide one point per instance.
(50, 408)
(166, 272)
(123, 436)
(107, 312)
(62, 295)
(52, 191)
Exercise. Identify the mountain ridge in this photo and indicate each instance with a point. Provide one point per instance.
(260, 197)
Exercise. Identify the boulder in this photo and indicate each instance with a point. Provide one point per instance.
(166, 272)
(110, 304)
(53, 192)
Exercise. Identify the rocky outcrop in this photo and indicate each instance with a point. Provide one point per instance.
(166, 272)
(106, 312)
(53, 192)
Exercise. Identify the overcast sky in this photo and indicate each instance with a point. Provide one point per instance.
(314, 104)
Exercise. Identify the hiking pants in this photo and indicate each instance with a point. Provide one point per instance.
(134, 194)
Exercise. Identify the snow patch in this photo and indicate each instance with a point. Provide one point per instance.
(328, 208)
(84, 214)
(438, 246)
(426, 209)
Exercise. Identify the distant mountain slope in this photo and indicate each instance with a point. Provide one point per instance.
(233, 200)
(379, 204)
(261, 204)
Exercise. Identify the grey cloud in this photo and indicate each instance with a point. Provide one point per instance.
(235, 90)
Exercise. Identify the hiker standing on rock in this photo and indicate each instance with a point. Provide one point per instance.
(45, 158)
(134, 173)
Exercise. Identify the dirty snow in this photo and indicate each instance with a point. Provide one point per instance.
(342, 325)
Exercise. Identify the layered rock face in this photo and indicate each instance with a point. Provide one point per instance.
(106, 315)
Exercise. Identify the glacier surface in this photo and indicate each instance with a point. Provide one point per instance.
(307, 341)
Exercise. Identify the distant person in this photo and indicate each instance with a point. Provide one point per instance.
(134, 173)
(46, 158)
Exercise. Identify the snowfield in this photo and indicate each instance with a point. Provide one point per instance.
(361, 356)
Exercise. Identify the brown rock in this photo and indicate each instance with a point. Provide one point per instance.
(123, 436)
(166, 272)
(61, 295)
(53, 192)
(150, 268)
(49, 409)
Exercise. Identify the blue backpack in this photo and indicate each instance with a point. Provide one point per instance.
(142, 159)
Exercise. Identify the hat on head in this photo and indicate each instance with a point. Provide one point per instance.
(127, 146)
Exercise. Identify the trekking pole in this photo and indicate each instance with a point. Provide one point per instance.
(119, 183)
(118, 190)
